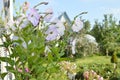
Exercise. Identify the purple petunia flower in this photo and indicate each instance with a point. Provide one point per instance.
(34, 16)
(52, 33)
(60, 28)
(55, 31)
(24, 23)
(21, 21)
(49, 15)
(77, 26)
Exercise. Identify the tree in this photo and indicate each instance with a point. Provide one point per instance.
(97, 31)
(87, 26)
(106, 34)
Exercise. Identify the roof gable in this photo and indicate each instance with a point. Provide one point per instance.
(66, 18)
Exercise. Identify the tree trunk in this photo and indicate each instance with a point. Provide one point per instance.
(106, 52)
(115, 67)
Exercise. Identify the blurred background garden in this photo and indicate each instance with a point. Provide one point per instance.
(59, 40)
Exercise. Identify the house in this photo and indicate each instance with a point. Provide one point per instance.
(65, 19)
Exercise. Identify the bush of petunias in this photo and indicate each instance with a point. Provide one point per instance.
(34, 44)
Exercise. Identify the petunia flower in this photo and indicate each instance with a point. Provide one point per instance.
(60, 28)
(49, 15)
(24, 23)
(55, 31)
(34, 17)
(21, 21)
(78, 25)
(52, 33)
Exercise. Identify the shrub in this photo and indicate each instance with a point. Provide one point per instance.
(114, 58)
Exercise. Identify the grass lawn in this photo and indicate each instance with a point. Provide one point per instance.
(94, 59)
(97, 63)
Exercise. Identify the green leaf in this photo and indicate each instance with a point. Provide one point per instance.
(8, 60)
(3, 75)
(9, 68)
(50, 57)
(1, 45)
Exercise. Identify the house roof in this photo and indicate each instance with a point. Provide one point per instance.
(67, 19)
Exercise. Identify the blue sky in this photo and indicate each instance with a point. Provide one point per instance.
(95, 8)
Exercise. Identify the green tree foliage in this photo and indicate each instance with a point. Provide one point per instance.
(107, 34)
(87, 26)
(97, 31)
